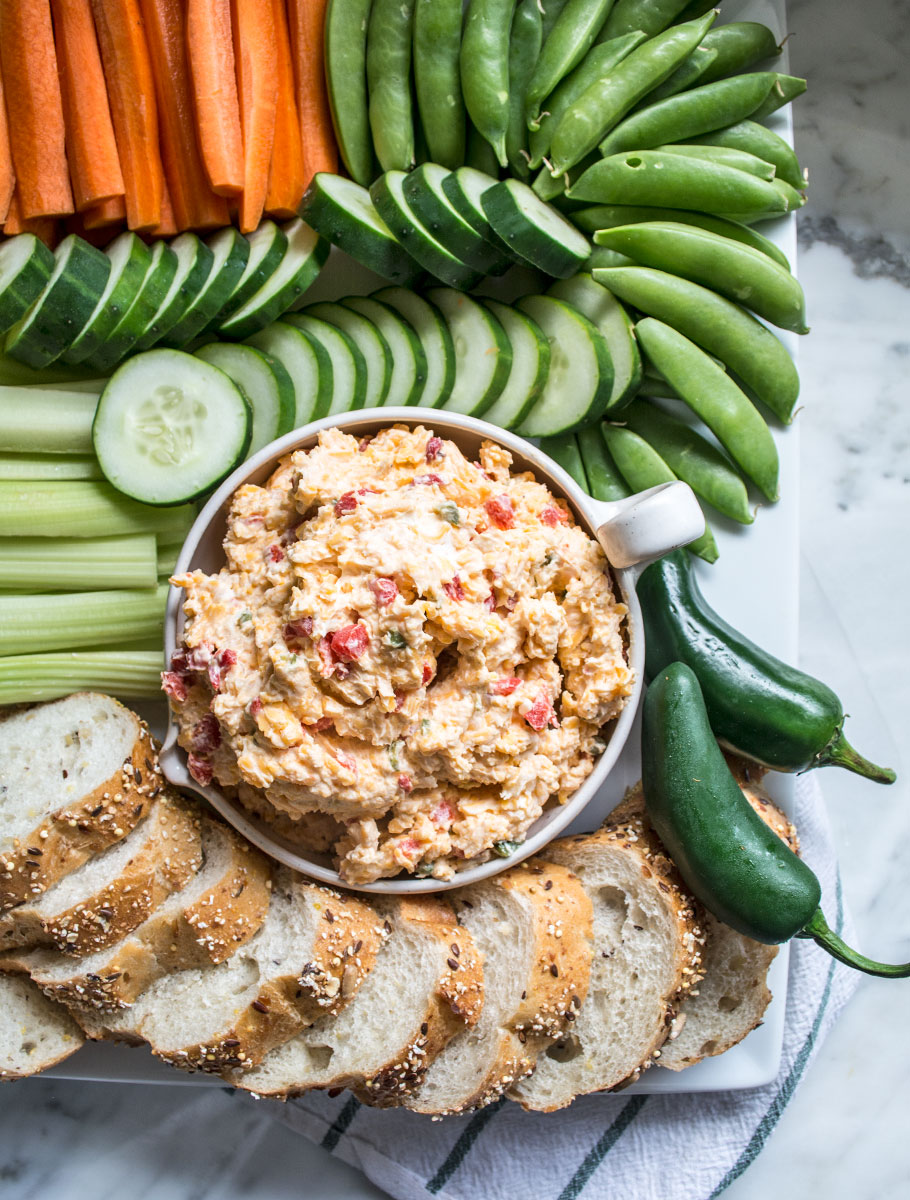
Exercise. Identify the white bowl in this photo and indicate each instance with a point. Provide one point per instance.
(632, 532)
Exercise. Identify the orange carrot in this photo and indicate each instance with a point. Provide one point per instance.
(257, 87)
(47, 229)
(96, 235)
(7, 174)
(320, 150)
(90, 143)
(286, 182)
(34, 108)
(131, 89)
(108, 212)
(167, 226)
(195, 204)
(211, 54)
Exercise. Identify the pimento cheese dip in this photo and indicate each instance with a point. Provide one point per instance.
(415, 651)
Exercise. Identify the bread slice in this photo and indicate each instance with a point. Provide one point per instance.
(219, 909)
(309, 958)
(75, 777)
(110, 895)
(533, 926)
(647, 952)
(425, 987)
(35, 1033)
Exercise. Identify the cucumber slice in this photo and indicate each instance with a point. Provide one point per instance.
(307, 363)
(169, 428)
(483, 353)
(140, 314)
(268, 388)
(230, 251)
(349, 368)
(306, 252)
(368, 340)
(194, 265)
(131, 260)
(431, 328)
(63, 309)
(465, 188)
(565, 450)
(530, 366)
(409, 362)
(25, 267)
(534, 229)
(580, 380)
(268, 246)
(387, 194)
(424, 193)
(600, 306)
(343, 212)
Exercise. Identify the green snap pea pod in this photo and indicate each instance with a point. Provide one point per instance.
(389, 37)
(604, 479)
(567, 44)
(685, 76)
(553, 187)
(715, 399)
(484, 69)
(551, 10)
(692, 458)
(697, 111)
(651, 16)
(758, 706)
(735, 271)
(565, 450)
(695, 9)
(794, 199)
(608, 216)
(642, 467)
(763, 143)
(676, 181)
(479, 154)
(785, 89)
(600, 256)
(655, 385)
(524, 47)
(719, 326)
(739, 45)
(437, 82)
(737, 867)
(346, 80)
(608, 100)
(724, 156)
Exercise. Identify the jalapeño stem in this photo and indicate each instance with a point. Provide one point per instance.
(817, 929)
(839, 753)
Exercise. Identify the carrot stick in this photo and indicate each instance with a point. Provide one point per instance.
(96, 235)
(320, 150)
(257, 87)
(90, 143)
(108, 212)
(34, 108)
(211, 54)
(131, 90)
(46, 229)
(195, 204)
(7, 174)
(167, 226)
(286, 182)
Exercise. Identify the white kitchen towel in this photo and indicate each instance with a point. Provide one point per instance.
(675, 1147)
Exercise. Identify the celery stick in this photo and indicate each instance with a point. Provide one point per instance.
(49, 466)
(50, 509)
(37, 623)
(167, 558)
(95, 386)
(134, 674)
(53, 564)
(17, 374)
(46, 421)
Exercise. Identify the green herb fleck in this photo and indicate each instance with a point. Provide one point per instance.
(425, 725)
(245, 616)
(423, 869)
(395, 639)
(394, 750)
(505, 849)
(449, 512)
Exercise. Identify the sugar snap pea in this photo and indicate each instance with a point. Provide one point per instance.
(564, 449)
(650, 16)
(604, 479)
(763, 143)
(346, 80)
(695, 9)
(437, 83)
(715, 399)
(479, 154)
(784, 89)
(550, 10)
(568, 42)
(484, 69)
(524, 48)
(608, 100)
(739, 46)
(686, 75)
(723, 156)
(389, 38)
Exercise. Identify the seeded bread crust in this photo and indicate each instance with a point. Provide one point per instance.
(35, 1033)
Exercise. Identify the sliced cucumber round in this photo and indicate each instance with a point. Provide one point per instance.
(169, 427)
(368, 340)
(530, 366)
(131, 260)
(580, 379)
(343, 212)
(308, 364)
(140, 314)
(25, 267)
(268, 245)
(483, 353)
(433, 331)
(601, 307)
(534, 229)
(409, 362)
(264, 381)
(230, 251)
(424, 192)
(349, 368)
(465, 188)
(194, 265)
(387, 193)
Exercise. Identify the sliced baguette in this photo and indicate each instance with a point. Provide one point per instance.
(35, 1033)
(106, 898)
(220, 909)
(533, 926)
(72, 776)
(425, 987)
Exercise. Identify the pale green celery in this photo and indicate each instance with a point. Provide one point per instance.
(83, 509)
(33, 624)
(36, 421)
(167, 558)
(95, 386)
(133, 674)
(49, 466)
(61, 564)
(17, 374)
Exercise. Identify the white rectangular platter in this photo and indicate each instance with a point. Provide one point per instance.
(754, 585)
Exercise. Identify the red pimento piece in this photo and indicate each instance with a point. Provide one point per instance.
(255, 707)
(490, 602)
(500, 511)
(444, 813)
(384, 590)
(434, 445)
(505, 686)
(426, 480)
(345, 504)
(321, 725)
(427, 674)
(400, 698)
(363, 444)
(214, 673)
(174, 685)
(350, 643)
(227, 659)
(295, 630)
(552, 515)
(200, 769)
(409, 845)
(541, 713)
(206, 735)
(276, 554)
(345, 760)
(405, 783)
(454, 590)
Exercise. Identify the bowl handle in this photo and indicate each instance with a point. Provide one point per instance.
(649, 524)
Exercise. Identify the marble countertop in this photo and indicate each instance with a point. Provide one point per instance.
(844, 1134)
